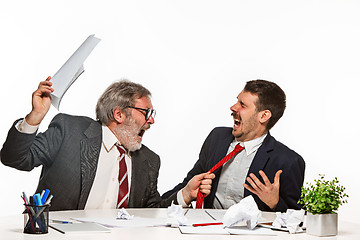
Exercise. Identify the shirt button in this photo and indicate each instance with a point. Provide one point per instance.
(107, 200)
(228, 197)
(113, 179)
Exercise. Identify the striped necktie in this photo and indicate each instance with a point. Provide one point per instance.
(200, 196)
(123, 195)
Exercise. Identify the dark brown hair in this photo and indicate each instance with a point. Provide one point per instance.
(271, 97)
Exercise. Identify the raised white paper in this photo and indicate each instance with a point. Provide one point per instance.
(71, 70)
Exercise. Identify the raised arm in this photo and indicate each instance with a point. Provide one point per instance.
(41, 102)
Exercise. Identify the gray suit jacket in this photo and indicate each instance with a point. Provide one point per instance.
(68, 152)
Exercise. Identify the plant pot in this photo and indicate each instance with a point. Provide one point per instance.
(322, 224)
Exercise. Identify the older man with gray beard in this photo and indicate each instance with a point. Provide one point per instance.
(88, 164)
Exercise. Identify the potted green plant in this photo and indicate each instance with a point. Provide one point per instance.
(321, 200)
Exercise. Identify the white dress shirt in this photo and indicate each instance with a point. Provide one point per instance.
(230, 189)
(104, 191)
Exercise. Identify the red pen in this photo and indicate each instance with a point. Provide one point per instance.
(206, 224)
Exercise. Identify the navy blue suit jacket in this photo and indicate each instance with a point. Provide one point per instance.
(270, 157)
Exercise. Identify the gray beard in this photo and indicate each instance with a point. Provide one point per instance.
(128, 135)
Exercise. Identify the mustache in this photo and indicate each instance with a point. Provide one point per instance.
(145, 127)
(234, 115)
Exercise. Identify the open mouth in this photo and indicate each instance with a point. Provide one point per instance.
(236, 118)
(236, 122)
(141, 133)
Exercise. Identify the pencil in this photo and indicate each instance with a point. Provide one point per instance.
(206, 224)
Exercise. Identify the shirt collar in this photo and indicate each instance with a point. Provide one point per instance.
(109, 139)
(252, 145)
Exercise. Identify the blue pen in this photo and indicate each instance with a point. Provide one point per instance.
(40, 221)
(45, 195)
(37, 199)
(59, 221)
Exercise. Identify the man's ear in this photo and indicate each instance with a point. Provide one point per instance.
(119, 115)
(265, 116)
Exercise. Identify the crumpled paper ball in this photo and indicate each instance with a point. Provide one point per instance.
(176, 215)
(246, 210)
(124, 215)
(291, 220)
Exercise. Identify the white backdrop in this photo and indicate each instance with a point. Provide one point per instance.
(195, 57)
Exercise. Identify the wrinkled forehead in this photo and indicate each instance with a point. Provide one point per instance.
(248, 98)
(143, 102)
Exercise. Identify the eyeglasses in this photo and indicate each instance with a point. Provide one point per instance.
(148, 112)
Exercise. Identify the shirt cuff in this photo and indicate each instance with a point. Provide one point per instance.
(180, 199)
(23, 127)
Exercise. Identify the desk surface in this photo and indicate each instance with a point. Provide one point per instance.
(12, 228)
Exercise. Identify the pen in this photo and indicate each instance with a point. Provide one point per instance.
(59, 221)
(37, 199)
(42, 193)
(28, 212)
(48, 200)
(206, 224)
(27, 203)
(45, 196)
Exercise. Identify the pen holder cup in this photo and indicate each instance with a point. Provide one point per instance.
(36, 219)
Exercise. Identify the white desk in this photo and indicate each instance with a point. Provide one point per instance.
(12, 228)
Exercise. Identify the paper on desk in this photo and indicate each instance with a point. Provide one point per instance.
(71, 70)
(220, 230)
(195, 216)
(135, 222)
(242, 230)
(246, 210)
(124, 215)
(79, 228)
(214, 229)
(176, 216)
(216, 214)
(290, 220)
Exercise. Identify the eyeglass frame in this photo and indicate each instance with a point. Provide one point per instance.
(148, 112)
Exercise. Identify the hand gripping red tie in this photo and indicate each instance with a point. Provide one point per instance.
(200, 196)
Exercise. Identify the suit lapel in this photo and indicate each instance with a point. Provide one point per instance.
(139, 176)
(220, 152)
(89, 156)
(261, 158)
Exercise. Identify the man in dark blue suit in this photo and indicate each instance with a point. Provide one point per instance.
(259, 106)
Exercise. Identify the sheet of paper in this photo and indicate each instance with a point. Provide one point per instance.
(220, 230)
(135, 222)
(198, 216)
(216, 214)
(243, 230)
(71, 70)
(206, 230)
(79, 228)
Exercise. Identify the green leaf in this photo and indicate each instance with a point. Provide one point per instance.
(322, 196)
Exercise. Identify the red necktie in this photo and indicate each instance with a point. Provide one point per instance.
(123, 195)
(200, 196)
